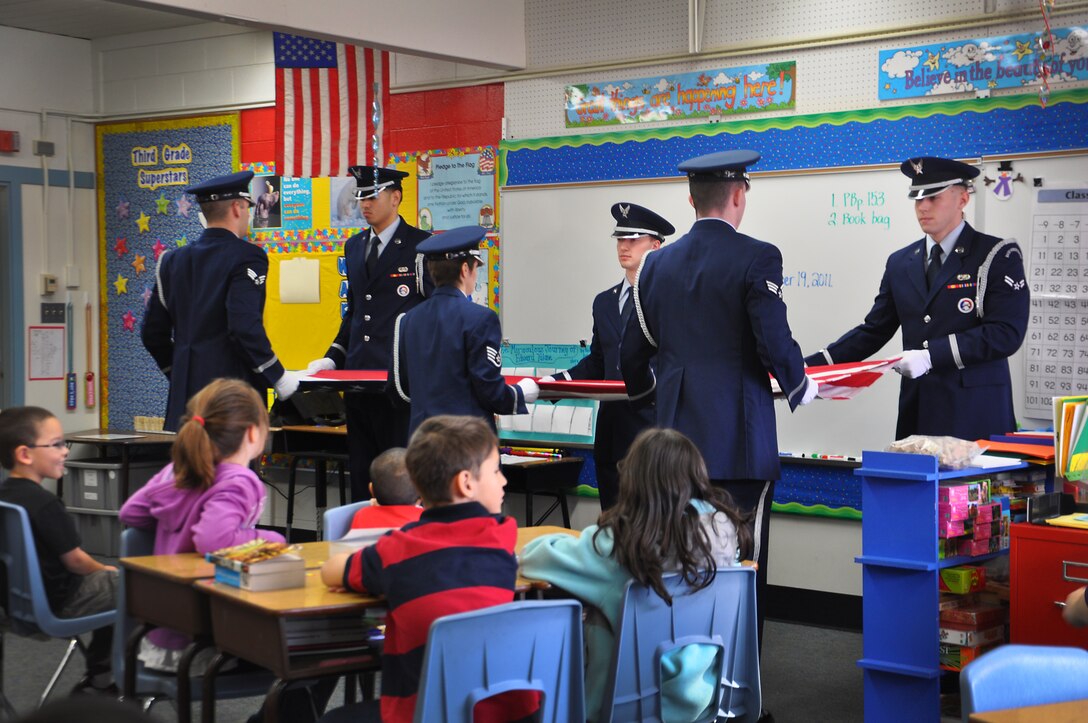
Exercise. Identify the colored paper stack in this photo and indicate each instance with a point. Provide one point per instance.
(969, 522)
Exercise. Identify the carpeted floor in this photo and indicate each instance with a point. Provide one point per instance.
(809, 675)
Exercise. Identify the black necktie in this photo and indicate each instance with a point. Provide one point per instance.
(934, 267)
(372, 257)
(625, 309)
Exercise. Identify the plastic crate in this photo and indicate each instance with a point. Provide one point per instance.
(100, 534)
(95, 484)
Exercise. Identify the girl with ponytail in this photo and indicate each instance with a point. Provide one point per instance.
(208, 497)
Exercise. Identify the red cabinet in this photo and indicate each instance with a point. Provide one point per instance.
(1046, 564)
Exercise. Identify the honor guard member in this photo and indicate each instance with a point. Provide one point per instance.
(205, 319)
(385, 279)
(447, 351)
(961, 299)
(638, 230)
(709, 305)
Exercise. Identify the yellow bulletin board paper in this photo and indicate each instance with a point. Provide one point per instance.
(302, 332)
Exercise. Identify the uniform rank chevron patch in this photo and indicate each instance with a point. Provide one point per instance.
(494, 356)
(1016, 285)
(774, 288)
(257, 280)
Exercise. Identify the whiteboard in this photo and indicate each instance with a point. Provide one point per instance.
(558, 254)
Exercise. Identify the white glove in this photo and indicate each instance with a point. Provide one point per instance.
(288, 384)
(914, 363)
(548, 378)
(530, 389)
(810, 391)
(320, 365)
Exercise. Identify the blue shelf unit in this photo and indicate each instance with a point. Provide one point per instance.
(900, 570)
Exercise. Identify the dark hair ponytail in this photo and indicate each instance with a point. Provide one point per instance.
(214, 427)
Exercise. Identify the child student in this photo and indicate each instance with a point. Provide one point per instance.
(32, 447)
(668, 519)
(458, 557)
(208, 498)
(394, 500)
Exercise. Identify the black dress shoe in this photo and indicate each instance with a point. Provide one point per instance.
(765, 716)
(86, 686)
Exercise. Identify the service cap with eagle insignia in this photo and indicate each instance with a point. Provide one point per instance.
(931, 175)
(370, 181)
(721, 166)
(224, 188)
(633, 221)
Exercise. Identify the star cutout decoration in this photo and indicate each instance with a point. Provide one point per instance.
(184, 204)
(121, 284)
(1022, 49)
(139, 263)
(158, 248)
(143, 222)
(122, 209)
(162, 205)
(183, 241)
(129, 320)
(932, 61)
(121, 247)
(146, 296)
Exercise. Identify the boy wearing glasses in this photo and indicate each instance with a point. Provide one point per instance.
(32, 447)
(447, 356)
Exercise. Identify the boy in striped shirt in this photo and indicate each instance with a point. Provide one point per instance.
(458, 557)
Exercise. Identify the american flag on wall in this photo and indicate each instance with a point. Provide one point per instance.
(324, 96)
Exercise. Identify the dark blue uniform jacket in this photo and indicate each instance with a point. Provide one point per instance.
(205, 318)
(448, 360)
(972, 320)
(710, 306)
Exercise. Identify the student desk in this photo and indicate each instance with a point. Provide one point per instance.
(176, 591)
(1073, 711)
(129, 444)
(160, 592)
(321, 444)
(550, 477)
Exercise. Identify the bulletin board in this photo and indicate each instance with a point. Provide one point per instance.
(142, 212)
(314, 217)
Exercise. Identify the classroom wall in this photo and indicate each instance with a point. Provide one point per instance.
(58, 80)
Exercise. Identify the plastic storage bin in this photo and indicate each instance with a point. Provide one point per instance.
(95, 484)
(101, 533)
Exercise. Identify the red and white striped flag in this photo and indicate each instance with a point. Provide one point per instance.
(324, 105)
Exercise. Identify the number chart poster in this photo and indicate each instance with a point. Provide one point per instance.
(143, 168)
(455, 187)
(982, 64)
(709, 94)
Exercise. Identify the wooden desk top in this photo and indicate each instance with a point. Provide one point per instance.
(527, 534)
(87, 436)
(189, 566)
(1074, 711)
(342, 430)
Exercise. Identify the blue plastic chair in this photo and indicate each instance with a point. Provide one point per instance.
(152, 685)
(337, 521)
(722, 614)
(1014, 676)
(528, 645)
(26, 603)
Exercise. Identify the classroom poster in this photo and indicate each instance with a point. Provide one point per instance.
(453, 187)
(143, 168)
(710, 94)
(982, 64)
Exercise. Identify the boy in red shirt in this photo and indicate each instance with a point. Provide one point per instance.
(394, 500)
